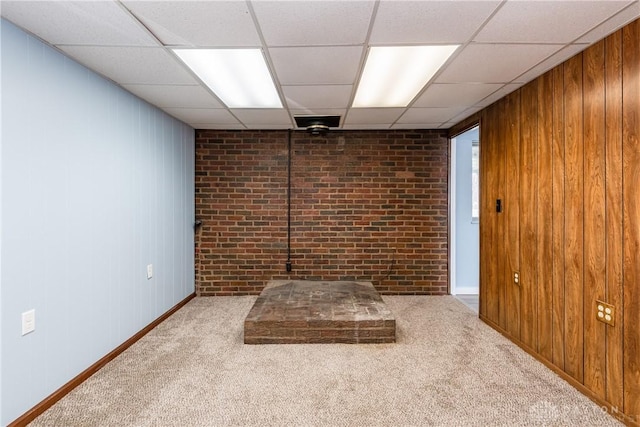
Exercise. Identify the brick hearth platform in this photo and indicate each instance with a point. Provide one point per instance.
(299, 312)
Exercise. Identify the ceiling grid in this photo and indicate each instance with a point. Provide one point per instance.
(316, 50)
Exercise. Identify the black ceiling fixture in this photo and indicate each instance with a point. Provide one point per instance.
(317, 125)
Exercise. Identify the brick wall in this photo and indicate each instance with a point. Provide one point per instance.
(365, 205)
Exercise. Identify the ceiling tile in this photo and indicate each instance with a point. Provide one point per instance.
(319, 112)
(612, 24)
(373, 126)
(264, 126)
(504, 91)
(455, 94)
(430, 115)
(278, 116)
(309, 23)
(198, 23)
(494, 63)
(550, 62)
(217, 116)
(402, 22)
(217, 126)
(464, 114)
(132, 65)
(547, 21)
(373, 115)
(327, 96)
(417, 126)
(316, 65)
(78, 22)
(175, 96)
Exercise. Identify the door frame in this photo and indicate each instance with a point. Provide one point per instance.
(452, 207)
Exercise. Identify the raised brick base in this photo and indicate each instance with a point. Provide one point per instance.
(298, 312)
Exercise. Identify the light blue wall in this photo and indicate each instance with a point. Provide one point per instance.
(1, 234)
(95, 185)
(467, 233)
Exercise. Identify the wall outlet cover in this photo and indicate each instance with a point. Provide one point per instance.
(605, 313)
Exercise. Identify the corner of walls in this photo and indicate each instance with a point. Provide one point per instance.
(96, 184)
(1, 225)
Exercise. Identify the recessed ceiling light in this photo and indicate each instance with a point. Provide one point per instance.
(239, 77)
(393, 75)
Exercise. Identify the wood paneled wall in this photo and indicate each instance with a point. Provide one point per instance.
(563, 155)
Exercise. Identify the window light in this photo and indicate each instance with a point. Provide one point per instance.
(239, 77)
(393, 75)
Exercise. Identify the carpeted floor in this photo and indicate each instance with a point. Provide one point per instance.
(447, 368)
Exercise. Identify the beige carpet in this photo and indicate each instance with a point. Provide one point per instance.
(447, 368)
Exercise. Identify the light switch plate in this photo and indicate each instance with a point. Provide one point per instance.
(28, 322)
(149, 271)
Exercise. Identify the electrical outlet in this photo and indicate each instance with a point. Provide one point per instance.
(516, 278)
(605, 313)
(28, 322)
(149, 271)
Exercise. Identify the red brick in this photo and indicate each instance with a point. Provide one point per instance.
(366, 205)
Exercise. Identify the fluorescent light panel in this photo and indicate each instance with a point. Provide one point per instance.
(239, 77)
(393, 75)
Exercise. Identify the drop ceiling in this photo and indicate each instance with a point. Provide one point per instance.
(316, 50)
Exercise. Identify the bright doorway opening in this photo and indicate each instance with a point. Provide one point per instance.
(464, 242)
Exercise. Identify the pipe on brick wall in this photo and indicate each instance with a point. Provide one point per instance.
(288, 264)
